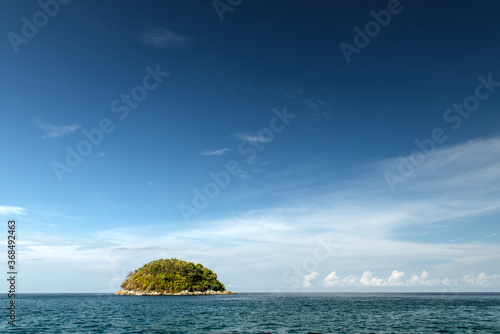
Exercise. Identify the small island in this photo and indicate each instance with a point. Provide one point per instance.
(172, 277)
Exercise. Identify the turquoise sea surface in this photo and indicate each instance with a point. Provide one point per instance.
(256, 313)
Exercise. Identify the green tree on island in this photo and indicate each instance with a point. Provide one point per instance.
(172, 276)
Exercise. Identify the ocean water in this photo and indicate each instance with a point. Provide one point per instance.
(256, 313)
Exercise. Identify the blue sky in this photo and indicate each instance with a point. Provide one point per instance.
(244, 136)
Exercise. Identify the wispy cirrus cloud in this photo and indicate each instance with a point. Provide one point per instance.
(373, 232)
(160, 38)
(54, 131)
(235, 244)
(251, 138)
(11, 210)
(215, 152)
(470, 166)
(316, 108)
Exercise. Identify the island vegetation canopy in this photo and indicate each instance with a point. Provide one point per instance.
(172, 276)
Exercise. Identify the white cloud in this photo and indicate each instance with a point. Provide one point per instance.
(308, 278)
(371, 228)
(330, 279)
(471, 166)
(233, 248)
(480, 280)
(53, 131)
(252, 138)
(215, 152)
(395, 280)
(100, 154)
(12, 210)
(163, 38)
(318, 109)
(419, 280)
(369, 280)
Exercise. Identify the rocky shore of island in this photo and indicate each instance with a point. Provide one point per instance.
(138, 292)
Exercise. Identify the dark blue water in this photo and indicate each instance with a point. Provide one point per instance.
(256, 313)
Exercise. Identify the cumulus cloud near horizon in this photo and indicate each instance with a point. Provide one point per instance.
(395, 279)
(308, 278)
(372, 231)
